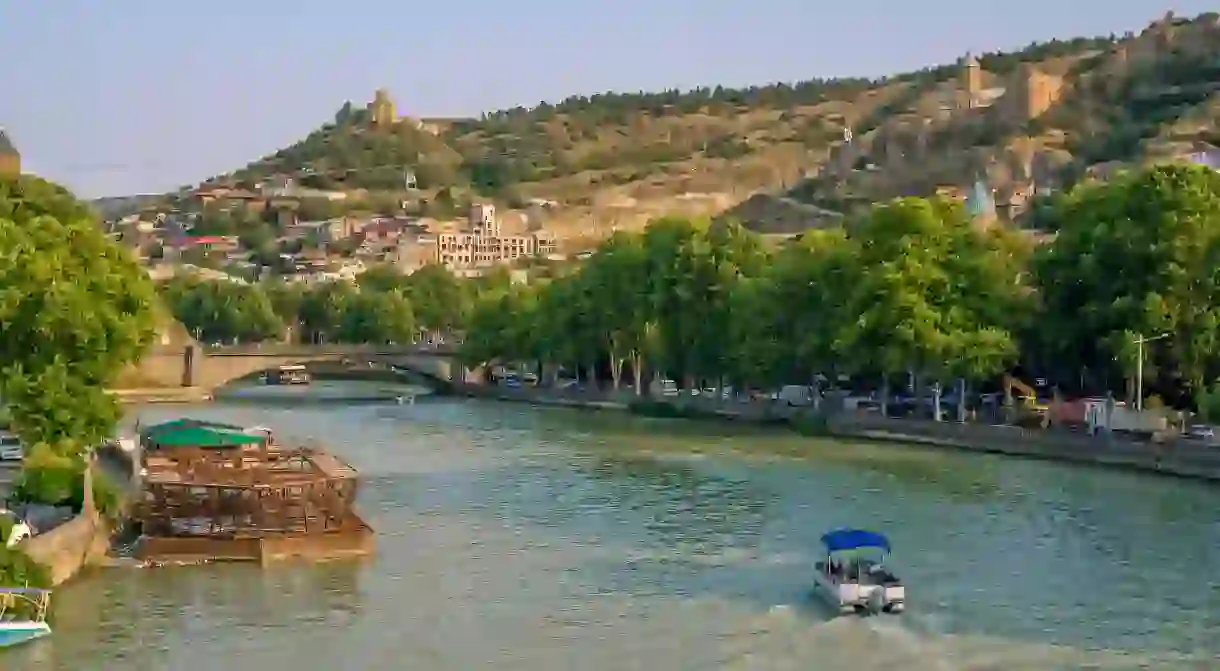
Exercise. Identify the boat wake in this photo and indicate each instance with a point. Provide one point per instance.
(783, 639)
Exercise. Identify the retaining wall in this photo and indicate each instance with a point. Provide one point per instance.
(70, 547)
(1179, 457)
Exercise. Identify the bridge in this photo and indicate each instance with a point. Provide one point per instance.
(192, 365)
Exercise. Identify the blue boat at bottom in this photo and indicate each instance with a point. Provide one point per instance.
(853, 578)
(23, 615)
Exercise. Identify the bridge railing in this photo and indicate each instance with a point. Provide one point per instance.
(290, 349)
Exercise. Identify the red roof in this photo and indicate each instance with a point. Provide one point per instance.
(208, 239)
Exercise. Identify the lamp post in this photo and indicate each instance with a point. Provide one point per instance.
(1139, 368)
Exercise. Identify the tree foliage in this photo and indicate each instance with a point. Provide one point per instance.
(382, 306)
(75, 309)
(222, 311)
(916, 287)
(1137, 257)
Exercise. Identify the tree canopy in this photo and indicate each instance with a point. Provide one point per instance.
(1136, 257)
(915, 287)
(75, 309)
(383, 306)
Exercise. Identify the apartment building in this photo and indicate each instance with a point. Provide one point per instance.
(483, 244)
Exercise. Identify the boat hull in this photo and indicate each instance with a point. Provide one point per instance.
(854, 598)
(17, 633)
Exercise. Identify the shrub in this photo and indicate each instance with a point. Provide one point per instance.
(51, 479)
(47, 477)
(1208, 400)
(107, 496)
(17, 569)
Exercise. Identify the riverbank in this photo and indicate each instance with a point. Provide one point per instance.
(1177, 458)
(545, 398)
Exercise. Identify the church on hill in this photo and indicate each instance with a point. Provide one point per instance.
(10, 160)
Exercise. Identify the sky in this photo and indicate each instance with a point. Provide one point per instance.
(139, 96)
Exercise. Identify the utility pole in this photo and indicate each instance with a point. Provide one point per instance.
(1139, 368)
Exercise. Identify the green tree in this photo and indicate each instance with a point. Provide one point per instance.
(616, 284)
(75, 309)
(783, 323)
(442, 301)
(923, 283)
(1135, 256)
(223, 311)
(375, 317)
(381, 278)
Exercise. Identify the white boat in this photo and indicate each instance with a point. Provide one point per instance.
(290, 374)
(853, 577)
(23, 615)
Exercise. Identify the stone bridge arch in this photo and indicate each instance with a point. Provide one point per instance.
(212, 368)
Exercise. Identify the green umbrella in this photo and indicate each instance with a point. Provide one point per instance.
(205, 436)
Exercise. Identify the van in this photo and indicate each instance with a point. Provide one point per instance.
(10, 447)
(795, 395)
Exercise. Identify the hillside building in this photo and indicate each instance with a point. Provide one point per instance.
(381, 111)
(483, 244)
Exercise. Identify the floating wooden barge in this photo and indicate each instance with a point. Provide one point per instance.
(246, 500)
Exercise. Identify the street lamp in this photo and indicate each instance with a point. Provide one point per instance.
(1139, 368)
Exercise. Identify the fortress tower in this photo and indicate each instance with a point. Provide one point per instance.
(381, 110)
(971, 81)
(10, 159)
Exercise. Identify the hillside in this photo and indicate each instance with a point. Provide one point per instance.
(778, 156)
(114, 207)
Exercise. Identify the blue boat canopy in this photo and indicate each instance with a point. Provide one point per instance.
(854, 539)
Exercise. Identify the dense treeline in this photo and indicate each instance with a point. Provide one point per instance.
(915, 287)
(383, 307)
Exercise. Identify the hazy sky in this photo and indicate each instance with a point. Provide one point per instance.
(130, 96)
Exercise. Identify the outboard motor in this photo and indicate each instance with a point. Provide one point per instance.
(877, 601)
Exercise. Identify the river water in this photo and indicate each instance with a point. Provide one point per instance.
(520, 538)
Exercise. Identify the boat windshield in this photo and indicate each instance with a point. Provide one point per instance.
(19, 604)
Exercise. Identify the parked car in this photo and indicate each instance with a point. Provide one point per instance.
(10, 447)
(1202, 433)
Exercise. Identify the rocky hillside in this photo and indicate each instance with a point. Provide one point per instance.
(783, 157)
(1036, 128)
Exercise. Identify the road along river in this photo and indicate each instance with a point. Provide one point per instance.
(520, 538)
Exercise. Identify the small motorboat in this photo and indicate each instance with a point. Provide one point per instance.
(853, 577)
(23, 615)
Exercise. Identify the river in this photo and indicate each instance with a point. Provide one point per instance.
(519, 538)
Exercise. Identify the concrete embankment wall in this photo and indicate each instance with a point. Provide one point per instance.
(70, 547)
(85, 539)
(1181, 458)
